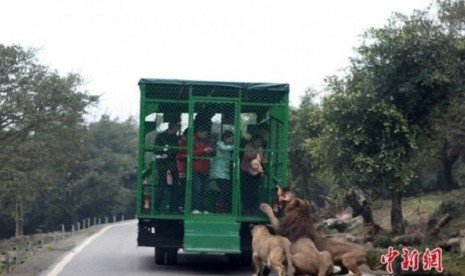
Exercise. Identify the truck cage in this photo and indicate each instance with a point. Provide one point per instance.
(168, 198)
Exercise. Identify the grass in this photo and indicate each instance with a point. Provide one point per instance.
(453, 264)
(418, 211)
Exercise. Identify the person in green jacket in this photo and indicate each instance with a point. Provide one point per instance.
(221, 170)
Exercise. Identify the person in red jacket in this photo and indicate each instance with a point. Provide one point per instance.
(202, 152)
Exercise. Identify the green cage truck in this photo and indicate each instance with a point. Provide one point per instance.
(209, 154)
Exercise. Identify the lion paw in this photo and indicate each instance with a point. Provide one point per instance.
(266, 208)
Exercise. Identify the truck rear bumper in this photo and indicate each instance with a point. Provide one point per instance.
(160, 233)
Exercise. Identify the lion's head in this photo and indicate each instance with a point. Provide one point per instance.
(297, 221)
(257, 228)
(298, 205)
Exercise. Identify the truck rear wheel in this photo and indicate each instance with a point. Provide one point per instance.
(243, 259)
(167, 256)
(246, 257)
(171, 256)
(159, 256)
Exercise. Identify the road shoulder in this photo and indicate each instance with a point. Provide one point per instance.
(46, 258)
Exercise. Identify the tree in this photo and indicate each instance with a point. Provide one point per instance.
(302, 125)
(101, 179)
(447, 140)
(448, 131)
(451, 14)
(374, 118)
(38, 108)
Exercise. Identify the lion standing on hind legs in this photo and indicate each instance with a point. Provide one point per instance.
(297, 223)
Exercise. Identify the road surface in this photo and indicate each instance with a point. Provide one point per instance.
(114, 251)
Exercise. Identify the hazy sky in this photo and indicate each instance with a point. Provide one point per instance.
(114, 43)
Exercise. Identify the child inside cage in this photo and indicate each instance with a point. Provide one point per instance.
(221, 171)
(202, 152)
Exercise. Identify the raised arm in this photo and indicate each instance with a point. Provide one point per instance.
(224, 147)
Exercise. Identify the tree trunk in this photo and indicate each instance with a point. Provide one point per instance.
(397, 219)
(448, 156)
(447, 164)
(19, 218)
(447, 170)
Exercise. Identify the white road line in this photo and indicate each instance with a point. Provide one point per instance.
(66, 259)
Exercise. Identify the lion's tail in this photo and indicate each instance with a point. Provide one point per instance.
(290, 266)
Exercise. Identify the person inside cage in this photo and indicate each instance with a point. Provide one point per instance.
(221, 171)
(202, 151)
(263, 130)
(252, 174)
(166, 143)
(181, 162)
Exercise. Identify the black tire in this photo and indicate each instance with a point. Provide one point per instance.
(160, 256)
(243, 259)
(168, 256)
(171, 256)
(246, 257)
(234, 259)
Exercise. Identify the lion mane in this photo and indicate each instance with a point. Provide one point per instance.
(297, 222)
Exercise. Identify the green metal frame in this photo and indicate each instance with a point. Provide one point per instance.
(274, 98)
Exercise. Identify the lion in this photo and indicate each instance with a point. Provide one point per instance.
(308, 260)
(271, 250)
(297, 223)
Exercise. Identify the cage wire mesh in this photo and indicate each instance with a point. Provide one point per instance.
(211, 150)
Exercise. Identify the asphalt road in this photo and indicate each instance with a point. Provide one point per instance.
(113, 251)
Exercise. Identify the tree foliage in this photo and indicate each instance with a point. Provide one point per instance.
(101, 180)
(55, 168)
(302, 167)
(37, 106)
(377, 120)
